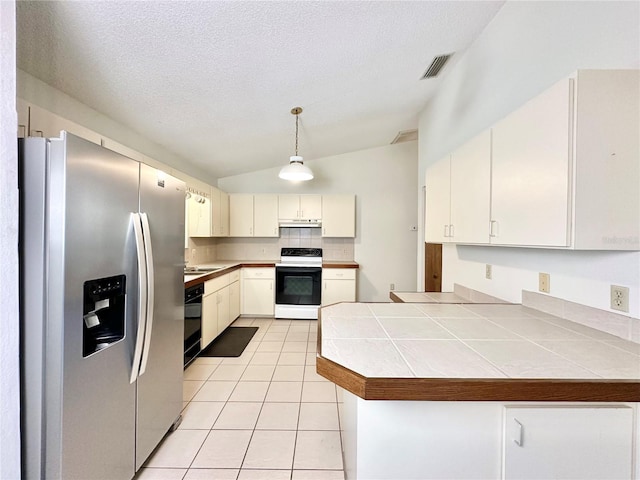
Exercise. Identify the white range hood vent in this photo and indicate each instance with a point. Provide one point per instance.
(298, 223)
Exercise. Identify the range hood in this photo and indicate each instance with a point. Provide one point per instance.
(300, 223)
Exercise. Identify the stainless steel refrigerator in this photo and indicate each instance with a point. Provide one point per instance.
(102, 256)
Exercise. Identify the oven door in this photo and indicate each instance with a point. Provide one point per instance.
(298, 285)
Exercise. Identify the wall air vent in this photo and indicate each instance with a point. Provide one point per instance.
(405, 136)
(436, 65)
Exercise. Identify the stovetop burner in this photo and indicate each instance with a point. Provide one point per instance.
(301, 252)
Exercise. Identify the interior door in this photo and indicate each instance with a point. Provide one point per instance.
(159, 399)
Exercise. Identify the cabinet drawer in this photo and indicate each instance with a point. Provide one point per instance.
(234, 276)
(258, 273)
(338, 273)
(216, 284)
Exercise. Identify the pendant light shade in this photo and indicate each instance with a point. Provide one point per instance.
(296, 170)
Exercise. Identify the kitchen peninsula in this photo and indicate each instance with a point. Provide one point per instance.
(495, 389)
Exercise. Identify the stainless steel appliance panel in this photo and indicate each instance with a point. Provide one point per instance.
(162, 199)
(98, 415)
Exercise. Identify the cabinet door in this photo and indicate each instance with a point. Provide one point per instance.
(335, 291)
(568, 443)
(471, 191)
(223, 309)
(22, 108)
(438, 198)
(257, 296)
(339, 216)
(216, 219)
(241, 215)
(199, 220)
(209, 319)
(311, 207)
(265, 216)
(288, 207)
(224, 214)
(43, 123)
(234, 301)
(530, 187)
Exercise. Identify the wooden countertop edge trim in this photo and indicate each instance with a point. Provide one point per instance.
(395, 298)
(340, 265)
(474, 389)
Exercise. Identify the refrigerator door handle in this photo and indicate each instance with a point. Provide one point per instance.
(142, 296)
(146, 234)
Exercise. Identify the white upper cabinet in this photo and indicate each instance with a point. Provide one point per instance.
(265, 215)
(299, 207)
(470, 197)
(198, 221)
(531, 171)
(43, 123)
(438, 201)
(339, 215)
(219, 213)
(241, 215)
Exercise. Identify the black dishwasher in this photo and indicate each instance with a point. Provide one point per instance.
(192, 322)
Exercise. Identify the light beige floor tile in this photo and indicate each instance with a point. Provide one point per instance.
(184, 405)
(299, 328)
(161, 474)
(258, 373)
(265, 358)
(190, 388)
(264, 474)
(284, 392)
(278, 328)
(178, 449)
(270, 450)
(198, 371)
(270, 347)
(238, 416)
(312, 346)
(313, 336)
(200, 415)
(310, 374)
(294, 347)
(214, 391)
(317, 475)
(228, 372)
(318, 392)
(242, 322)
(274, 336)
(223, 449)
(211, 474)
(311, 358)
(249, 392)
(278, 416)
(297, 337)
(289, 358)
(251, 346)
(288, 373)
(318, 450)
(318, 416)
(207, 361)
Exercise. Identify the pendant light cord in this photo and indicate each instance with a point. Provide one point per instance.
(296, 135)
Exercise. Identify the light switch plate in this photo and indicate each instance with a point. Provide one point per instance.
(488, 271)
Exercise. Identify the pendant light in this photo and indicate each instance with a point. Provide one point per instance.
(296, 171)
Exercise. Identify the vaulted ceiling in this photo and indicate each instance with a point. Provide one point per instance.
(214, 81)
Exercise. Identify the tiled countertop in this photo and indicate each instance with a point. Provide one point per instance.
(437, 297)
(466, 346)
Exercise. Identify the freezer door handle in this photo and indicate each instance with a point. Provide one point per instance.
(148, 250)
(142, 296)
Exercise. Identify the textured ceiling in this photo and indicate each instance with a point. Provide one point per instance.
(214, 82)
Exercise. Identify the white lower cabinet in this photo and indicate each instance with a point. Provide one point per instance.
(217, 309)
(258, 291)
(234, 300)
(338, 285)
(209, 319)
(568, 442)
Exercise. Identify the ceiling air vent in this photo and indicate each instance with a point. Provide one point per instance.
(405, 136)
(436, 66)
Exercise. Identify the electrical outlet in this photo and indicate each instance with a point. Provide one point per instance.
(392, 286)
(619, 298)
(487, 271)
(544, 282)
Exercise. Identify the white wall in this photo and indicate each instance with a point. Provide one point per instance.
(33, 90)
(384, 182)
(526, 48)
(9, 360)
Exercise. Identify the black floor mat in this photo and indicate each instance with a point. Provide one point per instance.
(230, 343)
